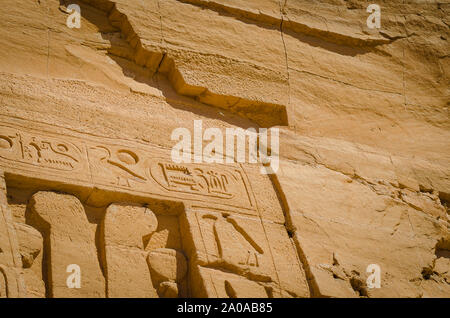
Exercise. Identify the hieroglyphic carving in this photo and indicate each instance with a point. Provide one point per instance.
(227, 243)
(69, 239)
(120, 166)
(38, 150)
(135, 169)
(232, 254)
(121, 163)
(197, 180)
(234, 245)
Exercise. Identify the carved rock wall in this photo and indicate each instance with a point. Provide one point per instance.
(86, 117)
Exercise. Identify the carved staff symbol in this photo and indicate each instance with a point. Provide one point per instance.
(234, 244)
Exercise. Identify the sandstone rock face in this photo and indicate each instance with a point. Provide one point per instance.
(62, 220)
(92, 203)
(124, 228)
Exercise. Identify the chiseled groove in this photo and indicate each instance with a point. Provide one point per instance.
(273, 114)
(293, 26)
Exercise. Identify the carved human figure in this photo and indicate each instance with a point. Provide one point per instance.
(168, 268)
(31, 250)
(8, 259)
(125, 230)
(11, 278)
(68, 239)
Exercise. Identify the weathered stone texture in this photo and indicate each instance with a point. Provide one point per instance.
(86, 117)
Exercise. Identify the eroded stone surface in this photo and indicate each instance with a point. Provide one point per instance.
(68, 240)
(124, 232)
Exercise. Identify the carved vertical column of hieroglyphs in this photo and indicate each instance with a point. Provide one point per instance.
(125, 230)
(231, 257)
(69, 239)
(11, 277)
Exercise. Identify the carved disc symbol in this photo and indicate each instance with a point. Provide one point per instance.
(127, 157)
(5, 142)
